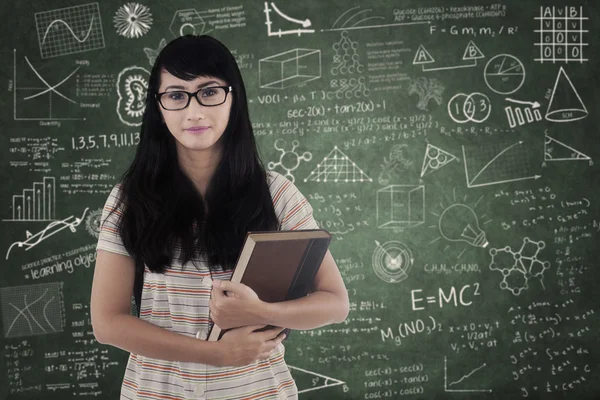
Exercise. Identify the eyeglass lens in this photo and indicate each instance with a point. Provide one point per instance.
(209, 97)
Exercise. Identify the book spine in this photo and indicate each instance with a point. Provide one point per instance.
(305, 275)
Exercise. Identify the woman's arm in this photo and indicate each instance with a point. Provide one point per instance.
(327, 304)
(113, 324)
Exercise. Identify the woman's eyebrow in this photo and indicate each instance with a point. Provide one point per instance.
(199, 86)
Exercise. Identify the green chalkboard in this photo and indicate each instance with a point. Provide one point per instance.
(451, 148)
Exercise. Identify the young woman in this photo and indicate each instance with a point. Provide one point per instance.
(177, 222)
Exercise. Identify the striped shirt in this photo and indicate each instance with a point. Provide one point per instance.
(178, 301)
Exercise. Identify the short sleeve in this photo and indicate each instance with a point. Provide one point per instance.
(110, 238)
(293, 210)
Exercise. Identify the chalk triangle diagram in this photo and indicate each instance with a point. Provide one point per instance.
(555, 150)
(314, 381)
(337, 167)
(435, 158)
(422, 56)
(565, 104)
(472, 52)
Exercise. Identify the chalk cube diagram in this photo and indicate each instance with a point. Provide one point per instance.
(289, 68)
(400, 206)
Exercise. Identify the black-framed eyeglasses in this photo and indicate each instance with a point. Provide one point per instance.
(180, 99)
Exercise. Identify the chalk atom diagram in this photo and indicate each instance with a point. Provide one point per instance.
(69, 30)
(289, 160)
(337, 167)
(518, 267)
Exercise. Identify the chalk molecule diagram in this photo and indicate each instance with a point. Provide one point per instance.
(519, 267)
(289, 160)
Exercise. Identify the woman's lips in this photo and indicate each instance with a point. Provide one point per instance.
(197, 129)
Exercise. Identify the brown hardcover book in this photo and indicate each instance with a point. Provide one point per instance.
(279, 265)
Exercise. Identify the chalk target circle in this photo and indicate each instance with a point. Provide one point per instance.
(392, 261)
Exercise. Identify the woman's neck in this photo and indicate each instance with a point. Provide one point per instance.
(199, 166)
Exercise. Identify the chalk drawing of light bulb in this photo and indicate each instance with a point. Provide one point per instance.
(458, 223)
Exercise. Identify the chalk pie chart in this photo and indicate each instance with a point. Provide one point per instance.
(504, 74)
(392, 261)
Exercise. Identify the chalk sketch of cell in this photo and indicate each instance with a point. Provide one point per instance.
(132, 84)
(519, 267)
(337, 167)
(32, 310)
(289, 160)
(133, 20)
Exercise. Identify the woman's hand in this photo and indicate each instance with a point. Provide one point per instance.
(235, 304)
(243, 346)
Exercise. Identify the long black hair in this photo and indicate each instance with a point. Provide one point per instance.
(164, 216)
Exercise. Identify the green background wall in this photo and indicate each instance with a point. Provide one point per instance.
(451, 147)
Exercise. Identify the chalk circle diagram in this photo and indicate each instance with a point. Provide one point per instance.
(132, 84)
(392, 261)
(504, 74)
(475, 107)
(132, 20)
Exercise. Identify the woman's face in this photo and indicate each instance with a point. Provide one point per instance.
(187, 125)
